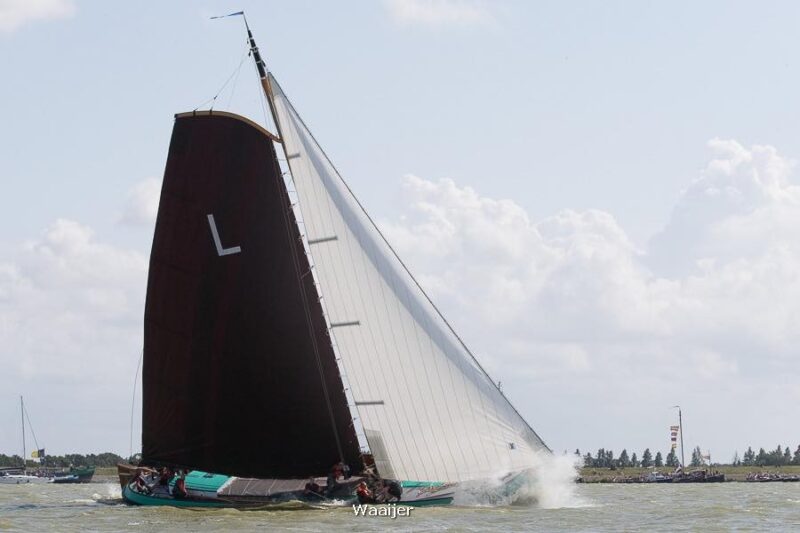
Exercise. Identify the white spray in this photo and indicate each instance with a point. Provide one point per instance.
(549, 484)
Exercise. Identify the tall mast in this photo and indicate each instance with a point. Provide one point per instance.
(680, 430)
(22, 417)
(267, 87)
(680, 425)
(262, 74)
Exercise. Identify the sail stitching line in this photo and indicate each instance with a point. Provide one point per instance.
(369, 384)
(323, 304)
(408, 272)
(309, 321)
(348, 235)
(404, 294)
(314, 191)
(311, 260)
(326, 313)
(410, 340)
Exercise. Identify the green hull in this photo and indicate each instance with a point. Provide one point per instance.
(435, 502)
(136, 498)
(205, 485)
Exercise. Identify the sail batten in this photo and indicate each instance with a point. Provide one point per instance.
(443, 419)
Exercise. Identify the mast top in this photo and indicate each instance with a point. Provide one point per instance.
(262, 70)
(260, 65)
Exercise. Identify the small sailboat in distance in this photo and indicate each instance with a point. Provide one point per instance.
(286, 344)
(21, 476)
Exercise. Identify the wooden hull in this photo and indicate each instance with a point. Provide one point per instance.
(125, 472)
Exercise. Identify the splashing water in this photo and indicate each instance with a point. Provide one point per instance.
(549, 484)
(112, 492)
(553, 482)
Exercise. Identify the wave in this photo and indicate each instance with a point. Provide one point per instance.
(549, 484)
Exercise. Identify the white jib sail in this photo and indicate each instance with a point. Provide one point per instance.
(428, 410)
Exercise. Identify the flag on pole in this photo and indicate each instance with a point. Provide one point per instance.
(37, 454)
(228, 15)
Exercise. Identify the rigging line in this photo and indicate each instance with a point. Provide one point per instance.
(33, 433)
(307, 310)
(261, 98)
(323, 306)
(385, 240)
(235, 81)
(335, 281)
(133, 399)
(358, 347)
(405, 334)
(234, 73)
(315, 185)
(346, 383)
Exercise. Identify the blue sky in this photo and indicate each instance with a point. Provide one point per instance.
(650, 263)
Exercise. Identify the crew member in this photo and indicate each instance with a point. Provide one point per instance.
(338, 470)
(393, 490)
(166, 475)
(312, 489)
(179, 491)
(330, 485)
(363, 494)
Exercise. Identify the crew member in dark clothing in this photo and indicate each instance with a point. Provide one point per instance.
(330, 485)
(312, 489)
(166, 475)
(393, 490)
(179, 491)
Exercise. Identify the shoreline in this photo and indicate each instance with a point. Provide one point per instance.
(630, 474)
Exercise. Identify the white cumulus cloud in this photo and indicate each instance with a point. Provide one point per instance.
(586, 330)
(70, 332)
(707, 314)
(15, 13)
(141, 207)
(742, 204)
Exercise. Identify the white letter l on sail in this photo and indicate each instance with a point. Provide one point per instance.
(218, 243)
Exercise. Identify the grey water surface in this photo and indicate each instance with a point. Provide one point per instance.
(612, 507)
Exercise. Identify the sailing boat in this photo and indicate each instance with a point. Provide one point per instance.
(23, 477)
(284, 339)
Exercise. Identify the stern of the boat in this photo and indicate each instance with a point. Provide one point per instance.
(125, 472)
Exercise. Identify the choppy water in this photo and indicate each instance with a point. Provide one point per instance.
(663, 507)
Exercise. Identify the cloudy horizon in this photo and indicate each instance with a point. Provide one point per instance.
(601, 272)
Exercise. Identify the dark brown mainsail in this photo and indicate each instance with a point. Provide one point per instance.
(232, 380)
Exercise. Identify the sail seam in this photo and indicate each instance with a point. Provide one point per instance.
(365, 386)
(429, 473)
(411, 276)
(309, 321)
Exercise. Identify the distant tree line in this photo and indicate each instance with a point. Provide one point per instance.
(606, 459)
(61, 461)
(777, 457)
